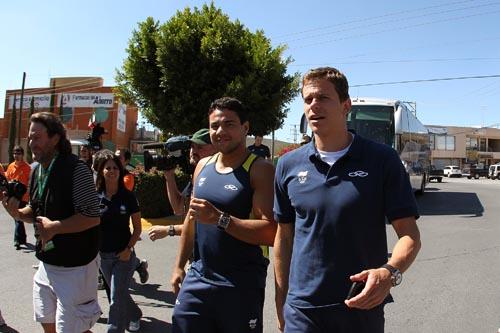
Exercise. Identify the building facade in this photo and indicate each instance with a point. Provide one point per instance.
(464, 146)
(78, 100)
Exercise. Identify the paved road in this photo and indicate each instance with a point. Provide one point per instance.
(453, 287)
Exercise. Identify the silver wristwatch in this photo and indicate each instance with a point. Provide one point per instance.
(224, 221)
(396, 275)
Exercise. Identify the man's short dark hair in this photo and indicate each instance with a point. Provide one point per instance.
(54, 126)
(232, 104)
(336, 77)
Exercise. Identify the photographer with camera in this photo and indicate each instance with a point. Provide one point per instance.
(19, 171)
(64, 209)
(201, 147)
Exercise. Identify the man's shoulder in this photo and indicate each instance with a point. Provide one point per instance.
(369, 148)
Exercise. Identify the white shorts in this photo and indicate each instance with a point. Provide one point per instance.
(67, 296)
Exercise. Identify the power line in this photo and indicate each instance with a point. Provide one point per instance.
(428, 80)
(405, 19)
(373, 18)
(396, 29)
(399, 61)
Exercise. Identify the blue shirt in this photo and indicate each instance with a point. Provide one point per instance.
(339, 214)
(219, 258)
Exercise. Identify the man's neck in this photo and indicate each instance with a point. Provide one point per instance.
(233, 159)
(336, 142)
(46, 161)
(18, 162)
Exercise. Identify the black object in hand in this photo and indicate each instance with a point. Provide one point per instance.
(356, 288)
(13, 188)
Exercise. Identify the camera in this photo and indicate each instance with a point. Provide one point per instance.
(177, 154)
(13, 188)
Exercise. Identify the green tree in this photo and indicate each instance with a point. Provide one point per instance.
(12, 130)
(175, 70)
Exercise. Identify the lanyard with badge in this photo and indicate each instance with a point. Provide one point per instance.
(42, 178)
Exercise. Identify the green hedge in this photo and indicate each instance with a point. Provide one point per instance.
(151, 193)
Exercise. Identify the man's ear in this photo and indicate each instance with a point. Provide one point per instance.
(347, 106)
(246, 127)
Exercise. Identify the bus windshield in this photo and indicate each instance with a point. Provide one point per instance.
(374, 122)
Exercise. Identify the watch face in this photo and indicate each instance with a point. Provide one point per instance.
(398, 277)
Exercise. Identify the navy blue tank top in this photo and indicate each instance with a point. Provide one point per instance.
(219, 258)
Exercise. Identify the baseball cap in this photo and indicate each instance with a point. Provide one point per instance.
(201, 137)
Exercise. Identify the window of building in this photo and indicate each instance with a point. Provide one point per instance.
(442, 142)
(471, 143)
(482, 144)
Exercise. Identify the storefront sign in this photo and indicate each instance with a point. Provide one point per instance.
(121, 120)
(87, 100)
(41, 101)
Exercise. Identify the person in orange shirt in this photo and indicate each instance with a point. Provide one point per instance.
(19, 170)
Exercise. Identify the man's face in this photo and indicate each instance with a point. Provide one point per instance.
(197, 152)
(227, 133)
(258, 140)
(322, 107)
(42, 146)
(18, 155)
(84, 153)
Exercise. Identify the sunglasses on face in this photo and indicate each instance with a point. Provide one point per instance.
(17, 153)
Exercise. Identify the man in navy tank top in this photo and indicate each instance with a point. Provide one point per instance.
(228, 225)
(332, 198)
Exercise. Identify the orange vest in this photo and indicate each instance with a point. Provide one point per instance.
(20, 173)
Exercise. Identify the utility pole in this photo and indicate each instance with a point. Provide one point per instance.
(21, 110)
(295, 133)
(12, 129)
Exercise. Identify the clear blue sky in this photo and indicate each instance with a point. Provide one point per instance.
(370, 41)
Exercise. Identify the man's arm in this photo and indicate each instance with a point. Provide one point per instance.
(378, 280)
(186, 246)
(173, 193)
(73, 224)
(261, 229)
(11, 205)
(283, 246)
(86, 205)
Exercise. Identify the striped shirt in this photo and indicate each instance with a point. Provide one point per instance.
(85, 198)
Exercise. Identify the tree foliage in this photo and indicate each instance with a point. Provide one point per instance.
(175, 70)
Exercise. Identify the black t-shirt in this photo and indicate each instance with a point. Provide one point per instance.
(260, 150)
(115, 220)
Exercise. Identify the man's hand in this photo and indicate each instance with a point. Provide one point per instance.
(125, 254)
(281, 317)
(11, 205)
(378, 285)
(45, 228)
(203, 211)
(176, 281)
(157, 232)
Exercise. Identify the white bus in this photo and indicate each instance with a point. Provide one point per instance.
(394, 123)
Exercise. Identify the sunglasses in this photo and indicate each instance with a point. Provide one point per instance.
(18, 153)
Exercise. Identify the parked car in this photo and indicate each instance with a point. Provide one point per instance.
(475, 173)
(494, 171)
(452, 171)
(436, 174)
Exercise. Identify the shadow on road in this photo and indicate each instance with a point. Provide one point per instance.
(149, 324)
(151, 291)
(8, 329)
(449, 203)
